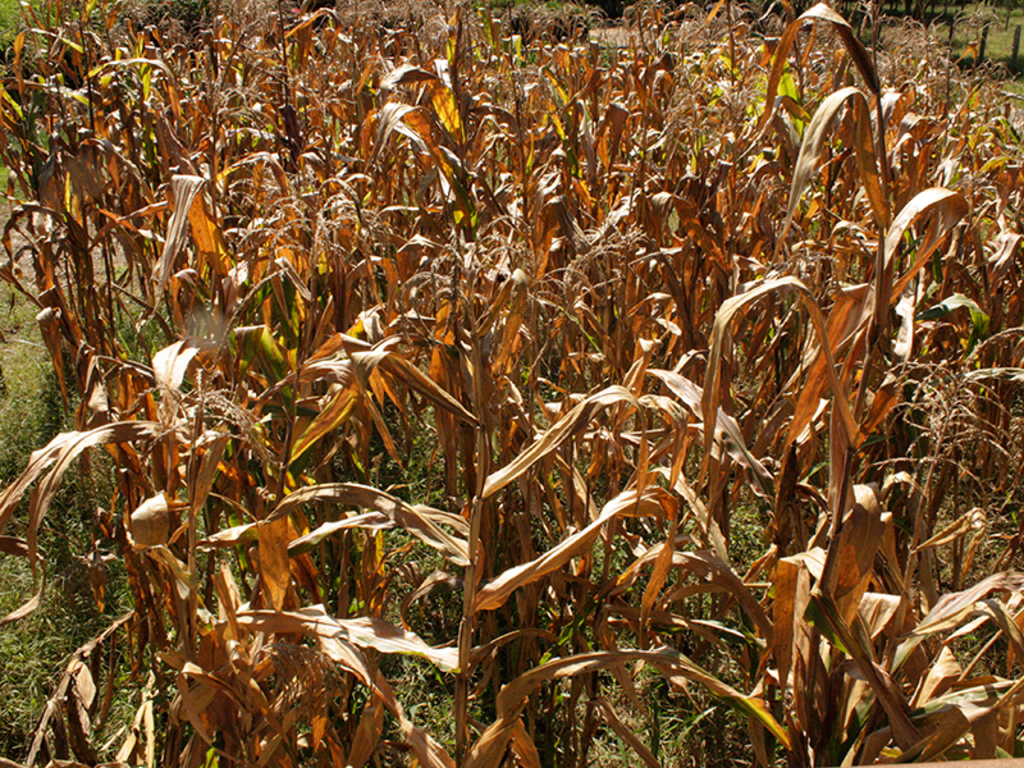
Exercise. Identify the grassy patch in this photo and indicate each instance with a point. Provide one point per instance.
(969, 25)
(35, 651)
(10, 20)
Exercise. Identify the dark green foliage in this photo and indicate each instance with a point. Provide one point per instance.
(189, 15)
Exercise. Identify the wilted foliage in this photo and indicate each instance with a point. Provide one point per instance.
(557, 366)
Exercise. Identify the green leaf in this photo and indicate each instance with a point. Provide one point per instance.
(946, 306)
(979, 320)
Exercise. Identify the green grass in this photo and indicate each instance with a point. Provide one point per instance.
(35, 651)
(10, 20)
(969, 26)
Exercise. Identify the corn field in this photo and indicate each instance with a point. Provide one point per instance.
(569, 386)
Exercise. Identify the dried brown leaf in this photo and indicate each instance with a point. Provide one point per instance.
(371, 521)
(570, 424)
(814, 139)
(946, 207)
(523, 747)
(275, 569)
(27, 608)
(362, 632)
(183, 193)
(651, 502)
(417, 522)
(851, 556)
(853, 45)
(955, 607)
(367, 736)
(382, 355)
(61, 452)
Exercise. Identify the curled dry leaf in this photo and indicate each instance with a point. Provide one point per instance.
(59, 454)
(729, 433)
(851, 557)
(853, 44)
(184, 190)
(381, 355)
(151, 521)
(953, 608)
(370, 521)
(946, 207)
(814, 137)
(363, 633)
(570, 424)
(971, 521)
(26, 609)
(419, 523)
(651, 502)
(436, 580)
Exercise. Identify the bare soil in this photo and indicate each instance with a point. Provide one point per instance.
(617, 36)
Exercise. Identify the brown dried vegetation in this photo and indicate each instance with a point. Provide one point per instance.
(652, 373)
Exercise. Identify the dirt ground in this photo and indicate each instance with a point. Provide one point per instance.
(617, 36)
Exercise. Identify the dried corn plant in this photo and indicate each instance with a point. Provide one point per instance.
(551, 368)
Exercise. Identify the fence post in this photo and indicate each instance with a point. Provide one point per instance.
(1016, 47)
(984, 42)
